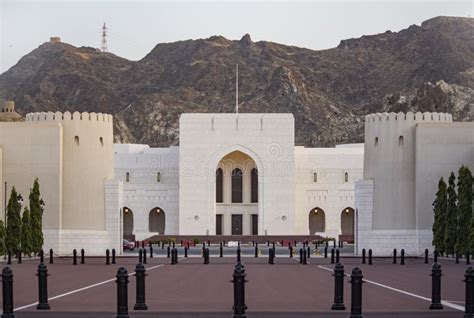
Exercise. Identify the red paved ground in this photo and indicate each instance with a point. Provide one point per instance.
(285, 289)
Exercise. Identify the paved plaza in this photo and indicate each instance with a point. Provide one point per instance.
(192, 289)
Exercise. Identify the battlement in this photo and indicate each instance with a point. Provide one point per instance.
(67, 116)
(8, 106)
(409, 116)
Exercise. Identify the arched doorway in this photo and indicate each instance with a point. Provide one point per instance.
(127, 222)
(347, 221)
(157, 221)
(317, 221)
(236, 195)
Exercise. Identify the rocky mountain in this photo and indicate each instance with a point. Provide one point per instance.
(427, 68)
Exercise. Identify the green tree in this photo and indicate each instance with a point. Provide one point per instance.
(26, 233)
(439, 225)
(2, 238)
(36, 215)
(464, 210)
(451, 217)
(13, 233)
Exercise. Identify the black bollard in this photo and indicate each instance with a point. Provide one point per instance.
(206, 256)
(326, 252)
(51, 256)
(238, 254)
(256, 250)
(203, 247)
(334, 243)
(338, 288)
(435, 256)
(436, 287)
(308, 250)
(41, 255)
(176, 255)
(173, 260)
(363, 256)
(140, 256)
(426, 256)
(469, 304)
(20, 258)
(140, 287)
(291, 251)
(42, 287)
(370, 256)
(332, 256)
(185, 251)
(163, 245)
(82, 256)
(301, 256)
(221, 250)
(151, 251)
(144, 256)
(271, 256)
(113, 256)
(74, 257)
(107, 257)
(7, 293)
(239, 291)
(122, 293)
(143, 244)
(468, 258)
(394, 256)
(337, 256)
(9, 258)
(356, 293)
(168, 251)
(305, 260)
(456, 255)
(402, 257)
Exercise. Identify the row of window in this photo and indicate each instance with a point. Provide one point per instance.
(158, 177)
(346, 177)
(76, 140)
(400, 141)
(236, 186)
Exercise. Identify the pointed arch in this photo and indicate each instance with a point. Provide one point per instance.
(317, 220)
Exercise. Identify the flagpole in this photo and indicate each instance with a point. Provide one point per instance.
(237, 88)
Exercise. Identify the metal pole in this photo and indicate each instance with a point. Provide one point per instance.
(338, 288)
(436, 287)
(239, 291)
(140, 288)
(356, 293)
(42, 287)
(7, 293)
(122, 293)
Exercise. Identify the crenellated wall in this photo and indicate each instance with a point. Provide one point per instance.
(389, 160)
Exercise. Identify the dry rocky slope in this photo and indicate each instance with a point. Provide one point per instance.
(421, 68)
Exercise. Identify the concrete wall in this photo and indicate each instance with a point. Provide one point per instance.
(266, 138)
(143, 192)
(441, 148)
(331, 192)
(389, 160)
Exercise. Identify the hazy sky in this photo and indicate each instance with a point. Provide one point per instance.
(137, 26)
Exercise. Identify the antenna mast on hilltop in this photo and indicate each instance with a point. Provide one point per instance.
(237, 88)
(103, 45)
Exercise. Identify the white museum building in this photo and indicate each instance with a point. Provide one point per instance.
(233, 174)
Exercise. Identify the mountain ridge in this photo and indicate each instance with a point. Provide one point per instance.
(427, 68)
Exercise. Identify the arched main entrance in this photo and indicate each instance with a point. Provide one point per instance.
(127, 221)
(317, 221)
(157, 220)
(347, 221)
(236, 195)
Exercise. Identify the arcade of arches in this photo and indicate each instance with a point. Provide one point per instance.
(156, 221)
(317, 221)
(236, 195)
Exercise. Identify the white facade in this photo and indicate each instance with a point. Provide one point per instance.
(288, 191)
(405, 156)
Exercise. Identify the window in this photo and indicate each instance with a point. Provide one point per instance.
(219, 185)
(315, 177)
(236, 186)
(76, 140)
(127, 177)
(101, 140)
(400, 141)
(346, 177)
(254, 185)
(158, 177)
(376, 141)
